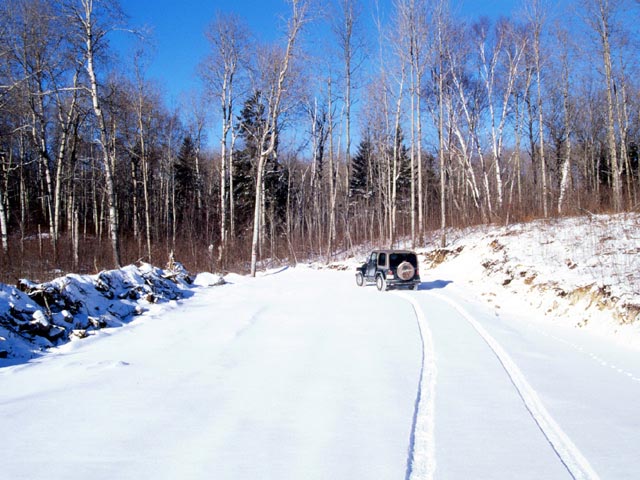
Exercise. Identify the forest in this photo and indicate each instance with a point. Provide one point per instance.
(407, 122)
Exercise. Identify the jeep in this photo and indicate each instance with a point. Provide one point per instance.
(390, 269)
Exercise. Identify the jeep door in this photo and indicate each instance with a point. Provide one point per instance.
(371, 266)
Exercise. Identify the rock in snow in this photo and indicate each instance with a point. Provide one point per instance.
(36, 316)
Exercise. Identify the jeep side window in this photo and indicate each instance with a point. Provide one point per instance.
(373, 258)
(382, 259)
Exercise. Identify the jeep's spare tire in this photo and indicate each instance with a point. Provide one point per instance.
(406, 271)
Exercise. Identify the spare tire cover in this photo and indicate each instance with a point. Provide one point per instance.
(406, 271)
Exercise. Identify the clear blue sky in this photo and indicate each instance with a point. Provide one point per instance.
(177, 41)
(178, 30)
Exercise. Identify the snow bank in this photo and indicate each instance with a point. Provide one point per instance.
(36, 316)
(584, 271)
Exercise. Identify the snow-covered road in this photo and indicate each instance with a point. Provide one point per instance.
(303, 375)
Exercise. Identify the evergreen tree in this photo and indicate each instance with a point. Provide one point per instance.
(248, 127)
(404, 171)
(360, 185)
(251, 123)
(184, 171)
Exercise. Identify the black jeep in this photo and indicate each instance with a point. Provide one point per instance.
(390, 269)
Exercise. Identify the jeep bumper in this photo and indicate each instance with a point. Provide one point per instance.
(398, 283)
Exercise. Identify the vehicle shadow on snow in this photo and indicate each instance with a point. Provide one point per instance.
(435, 285)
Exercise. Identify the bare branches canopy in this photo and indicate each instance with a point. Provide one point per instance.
(313, 143)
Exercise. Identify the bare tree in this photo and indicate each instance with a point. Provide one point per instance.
(441, 18)
(537, 16)
(35, 38)
(4, 224)
(565, 85)
(274, 95)
(600, 15)
(350, 43)
(623, 119)
(463, 122)
(333, 173)
(499, 69)
(228, 37)
(142, 106)
(68, 119)
(413, 24)
(92, 18)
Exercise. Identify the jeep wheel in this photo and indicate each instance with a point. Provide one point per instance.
(381, 283)
(359, 279)
(406, 271)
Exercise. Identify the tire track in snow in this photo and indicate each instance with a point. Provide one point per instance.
(568, 453)
(421, 462)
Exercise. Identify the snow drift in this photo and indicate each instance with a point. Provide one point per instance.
(36, 316)
(583, 271)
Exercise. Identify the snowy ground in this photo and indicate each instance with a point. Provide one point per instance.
(256, 379)
(301, 374)
(582, 272)
(517, 358)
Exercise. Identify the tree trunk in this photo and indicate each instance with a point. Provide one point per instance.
(412, 202)
(605, 36)
(76, 238)
(566, 163)
(257, 215)
(419, 159)
(268, 138)
(332, 182)
(537, 18)
(443, 215)
(4, 233)
(395, 173)
(232, 202)
(88, 20)
(223, 193)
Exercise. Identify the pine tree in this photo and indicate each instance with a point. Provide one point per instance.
(251, 124)
(249, 127)
(404, 171)
(360, 185)
(184, 170)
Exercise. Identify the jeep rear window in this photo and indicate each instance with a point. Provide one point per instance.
(396, 259)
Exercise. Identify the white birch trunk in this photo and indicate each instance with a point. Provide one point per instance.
(396, 159)
(4, 233)
(332, 181)
(268, 140)
(87, 23)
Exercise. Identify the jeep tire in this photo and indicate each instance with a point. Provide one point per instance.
(359, 279)
(381, 283)
(406, 271)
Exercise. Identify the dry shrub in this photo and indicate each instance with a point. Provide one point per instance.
(440, 255)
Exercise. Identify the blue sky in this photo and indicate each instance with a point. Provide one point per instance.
(178, 42)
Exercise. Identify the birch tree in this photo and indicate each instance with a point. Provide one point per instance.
(228, 36)
(34, 41)
(565, 85)
(536, 15)
(413, 30)
(499, 68)
(440, 16)
(274, 96)
(142, 127)
(92, 31)
(600, 15)
(346, 29)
